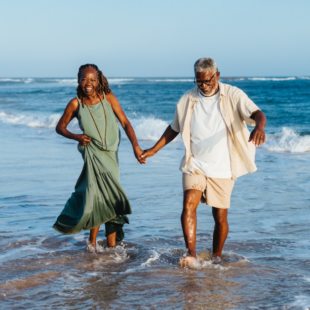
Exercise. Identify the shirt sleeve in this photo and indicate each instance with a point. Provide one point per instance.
(246, 107)
(175, 125)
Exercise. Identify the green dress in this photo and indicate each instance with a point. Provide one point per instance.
(98, 197)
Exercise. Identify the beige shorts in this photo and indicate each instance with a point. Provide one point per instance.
(215, 192)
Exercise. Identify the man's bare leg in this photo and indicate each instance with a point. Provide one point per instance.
(111, 239)
(189, 219)
(221, 229)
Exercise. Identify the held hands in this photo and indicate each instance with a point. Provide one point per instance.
(258, 136)
(83, 139)
(138, 152)
(147, 153)
(143, 155)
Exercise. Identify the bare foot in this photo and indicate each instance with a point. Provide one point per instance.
(91, 247)
(216, 260)
(187, 260)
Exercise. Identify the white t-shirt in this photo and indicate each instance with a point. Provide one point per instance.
(209, 141)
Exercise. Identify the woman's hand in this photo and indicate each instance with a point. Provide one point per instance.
(138, 152)
(148, 153)
(83, 139)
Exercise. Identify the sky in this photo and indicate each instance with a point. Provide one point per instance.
(162, 38)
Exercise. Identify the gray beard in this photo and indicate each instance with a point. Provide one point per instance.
(211, 94)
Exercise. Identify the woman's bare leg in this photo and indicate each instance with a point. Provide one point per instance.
(111, 239)
(93, 236)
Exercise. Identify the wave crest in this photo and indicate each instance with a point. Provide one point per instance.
(149, 128)
(272, 79)
(288, 141)
(30, 121)
(146, 128)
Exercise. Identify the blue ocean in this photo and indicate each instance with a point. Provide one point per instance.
(266, 258)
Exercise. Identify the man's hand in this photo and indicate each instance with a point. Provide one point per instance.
(83, 139)
(148, 153)
(258, 136)
(138, 152)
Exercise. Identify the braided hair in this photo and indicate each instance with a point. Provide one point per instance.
(103, 86)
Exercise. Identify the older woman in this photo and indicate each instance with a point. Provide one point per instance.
(99, 197)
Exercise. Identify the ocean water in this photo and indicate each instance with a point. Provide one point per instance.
(266, 258)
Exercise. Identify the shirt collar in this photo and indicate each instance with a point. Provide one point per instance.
(221, 89)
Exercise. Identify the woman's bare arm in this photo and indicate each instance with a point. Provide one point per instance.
(126, 125)
(71, 112)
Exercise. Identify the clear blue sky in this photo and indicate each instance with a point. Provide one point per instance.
(141, 38)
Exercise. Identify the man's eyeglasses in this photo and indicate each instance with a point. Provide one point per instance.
(200, 83)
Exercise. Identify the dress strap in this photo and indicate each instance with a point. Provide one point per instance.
(79, 100)
(103, 97)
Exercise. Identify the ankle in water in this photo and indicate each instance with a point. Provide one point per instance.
(189, 261)
(91, 246)
(216, 260)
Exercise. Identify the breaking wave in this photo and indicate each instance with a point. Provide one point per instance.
(170, 80)
(27, 80)
(30, 121)
(288, 140)
(67, 81)
(151, 129)
(146, 128)
(272, 79)
(73, 81)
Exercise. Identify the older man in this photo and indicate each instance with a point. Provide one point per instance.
(219, 148)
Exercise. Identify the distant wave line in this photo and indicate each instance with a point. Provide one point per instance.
(151, 128)
(112, 81)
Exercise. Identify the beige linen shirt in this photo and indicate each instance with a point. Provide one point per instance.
(236, 109)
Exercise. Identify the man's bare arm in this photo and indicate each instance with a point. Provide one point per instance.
(166, 138)
(258, 134)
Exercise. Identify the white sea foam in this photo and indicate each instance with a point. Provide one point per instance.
(288, 141)
(66, 81)
(153, 258)
(34, 121)
(119, 81)
(170, 80)
(146, 128)
(301, 302)
(30, 121)
(149, 128)
(74, 81)
(271, 79)
(27, 80)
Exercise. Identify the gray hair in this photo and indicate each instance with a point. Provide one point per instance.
(205, 64)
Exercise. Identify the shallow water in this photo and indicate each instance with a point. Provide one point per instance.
(265, 264)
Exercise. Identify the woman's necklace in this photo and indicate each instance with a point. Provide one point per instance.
(99, 119)
(105, 131)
